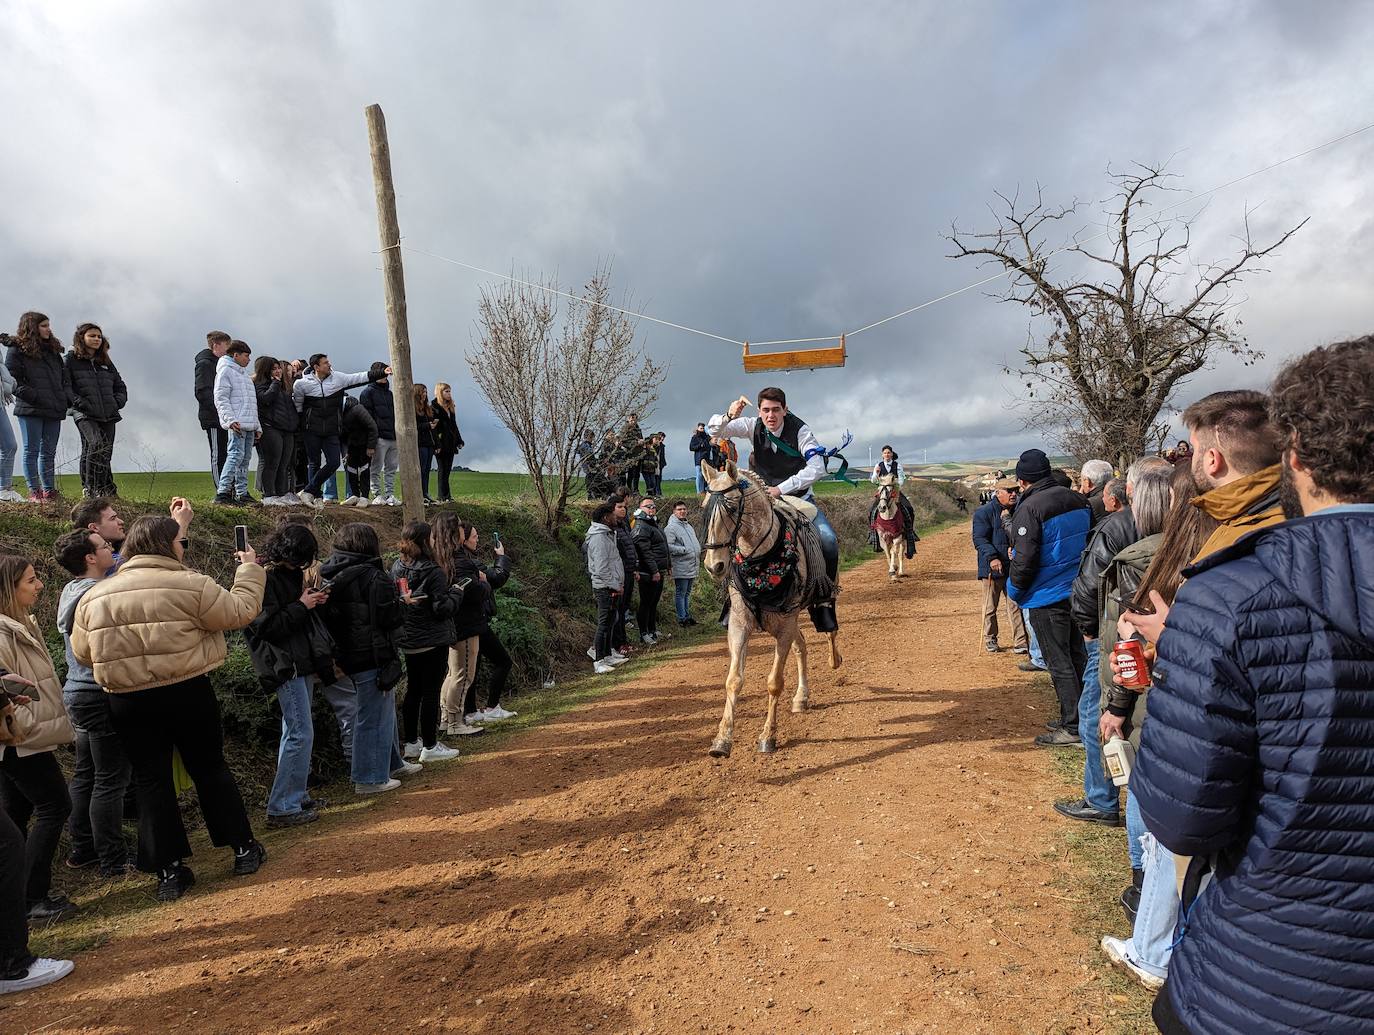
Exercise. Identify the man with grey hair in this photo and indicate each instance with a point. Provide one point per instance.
(1100, 802)
(1092, 479)
(1114, 495)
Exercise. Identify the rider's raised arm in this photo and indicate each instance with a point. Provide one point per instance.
(873, 477)
(800, 483)
(719, 426)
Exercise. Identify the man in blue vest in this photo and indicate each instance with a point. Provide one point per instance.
(789, 460)
(1049, 530)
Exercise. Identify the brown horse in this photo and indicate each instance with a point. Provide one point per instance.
(742, 521)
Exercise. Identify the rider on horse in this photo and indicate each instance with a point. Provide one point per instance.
(790, 460)
(890, 466)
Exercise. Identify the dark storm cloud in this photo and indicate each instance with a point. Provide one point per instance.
(768, 172)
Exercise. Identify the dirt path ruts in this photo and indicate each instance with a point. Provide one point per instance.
(889, 869)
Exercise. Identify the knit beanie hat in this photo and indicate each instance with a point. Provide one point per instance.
(1033, 466)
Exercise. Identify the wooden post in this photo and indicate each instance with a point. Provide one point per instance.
(397, 329)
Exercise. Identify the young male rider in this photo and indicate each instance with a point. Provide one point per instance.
(788, 458)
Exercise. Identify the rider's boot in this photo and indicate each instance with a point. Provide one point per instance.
(823, 617)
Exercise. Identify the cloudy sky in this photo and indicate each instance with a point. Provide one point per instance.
(763, 170)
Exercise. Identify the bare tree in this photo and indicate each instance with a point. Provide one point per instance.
(548, 380)
(1105, 356)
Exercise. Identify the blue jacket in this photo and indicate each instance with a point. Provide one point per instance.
(989, 537)
(1049, 530)
(1259, 750)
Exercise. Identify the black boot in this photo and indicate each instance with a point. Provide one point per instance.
(1130, 898)
(823, 618)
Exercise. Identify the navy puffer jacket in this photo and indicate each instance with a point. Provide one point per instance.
(990, 537)
(1259, 750)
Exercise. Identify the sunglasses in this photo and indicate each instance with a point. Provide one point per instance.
(185, 543)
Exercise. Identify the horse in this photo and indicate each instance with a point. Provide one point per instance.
(890, 524)
(742, 523)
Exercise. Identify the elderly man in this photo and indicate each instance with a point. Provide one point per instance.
(1092, 480)
(991, 542)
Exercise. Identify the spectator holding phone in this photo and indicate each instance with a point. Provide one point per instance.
(431, 604)
(455, 550)
(31, 781)
(290, 647)
(102, 767)
(151, 636)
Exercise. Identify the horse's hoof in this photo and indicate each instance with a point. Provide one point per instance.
(798, 707)
(767, 747)
(720, 749)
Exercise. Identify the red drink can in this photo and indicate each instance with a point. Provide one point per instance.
(1132, 671)
(403, 586)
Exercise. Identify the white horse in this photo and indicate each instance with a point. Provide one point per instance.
(741, 521)
(890, 525)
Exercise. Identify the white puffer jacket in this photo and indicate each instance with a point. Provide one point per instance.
(235, 397)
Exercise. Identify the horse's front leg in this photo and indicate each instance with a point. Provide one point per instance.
(782, 647)
(901, 558)
(734, 679)
(803, 694)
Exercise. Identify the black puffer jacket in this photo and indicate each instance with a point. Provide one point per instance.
(380, 404)
(206, 362)
(424, 434)
(275, 409)
(447, 438)
(428, 622)
(625, 543)
(1111, 535)
(479, 599)
(357, 429)
(285, 623)
(651, 547)
(363, 612)
(99, 391)
(42, 387)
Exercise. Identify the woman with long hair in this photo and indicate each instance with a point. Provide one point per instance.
(289, 650)
(277, 415)
(363, 614)
(448, 440)
(31, 782)
(43, 394)
(455, 550)
(425, 637)
(425, 423)
(99, 393)
(151, 635)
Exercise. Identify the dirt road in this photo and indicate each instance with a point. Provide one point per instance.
(891, 869)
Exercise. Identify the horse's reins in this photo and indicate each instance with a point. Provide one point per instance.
(717, 499)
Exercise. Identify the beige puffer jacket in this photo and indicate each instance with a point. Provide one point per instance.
(42, 723)
(155, 622)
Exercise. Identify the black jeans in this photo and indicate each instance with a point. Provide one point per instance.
(274, 457)
(14, 911)
(444, 462)
(490, 650)
(426, 465)
(97, 452)
(649, 592)
(102, 776)
(218, 440)
(357, 472)
(632, 479)
(315, 444)
(425, 672)
(32, 786)
(607, 604)
(151, 722)
(1065, 657)
(619, 636)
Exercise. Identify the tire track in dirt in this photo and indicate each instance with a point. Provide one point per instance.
(890, 869)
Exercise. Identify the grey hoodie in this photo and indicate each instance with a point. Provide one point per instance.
(603, 558)
(683, 547)
(79, 677)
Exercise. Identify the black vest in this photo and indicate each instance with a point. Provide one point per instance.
(885, 468)
(775, 465)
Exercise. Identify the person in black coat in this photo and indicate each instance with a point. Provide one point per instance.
(43, 394)
(653, 565)
(455, 550)
(448, 440)
(425, 425)
(207, 359)
(358, 433)
(98, 395)
(629, 556)
(431, 603)
(277, 414)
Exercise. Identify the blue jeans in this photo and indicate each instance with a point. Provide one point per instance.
(1152, 938)
(1135, 829)
(1098, 789)
(374, 730)
(830, 543)
(293, 757)
(701, 482)
(1037, 658)
(317, 473)
(9, 449)
(343, 698)
(233, 478)
(682, 593)
(40, 452)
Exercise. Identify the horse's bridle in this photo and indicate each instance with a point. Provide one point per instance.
(717, 499)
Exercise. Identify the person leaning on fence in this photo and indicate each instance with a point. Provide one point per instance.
(607, 573)
(102, 772)
(151, 635)
(31, 781)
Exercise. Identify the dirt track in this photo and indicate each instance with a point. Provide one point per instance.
(889, 869)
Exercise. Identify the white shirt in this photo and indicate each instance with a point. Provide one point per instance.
(895, 463)
(743, 427)
(335, 383)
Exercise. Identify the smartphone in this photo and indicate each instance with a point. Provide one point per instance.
(1138, 609)
(323, 585)
(240, 538)
(10, 689)
(463, 584)
(496, 536)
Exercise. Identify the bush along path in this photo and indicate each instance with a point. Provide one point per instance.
(895, 866)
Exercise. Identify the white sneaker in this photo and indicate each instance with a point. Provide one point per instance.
(616, 658)
(602, 668)
(10, 496)
(392, 501)
(407, 769)
(41, 972)
(362, 501)
(649, 638)
(291, 499)
(440, 752)
(351, 501)
(412, 750)
(379, 501)
(462, 729)
(497, 714)
(473, 718)
(305, 498)
(1118, 950)
(376, 788)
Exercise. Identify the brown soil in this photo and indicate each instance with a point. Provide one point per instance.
(892, 868)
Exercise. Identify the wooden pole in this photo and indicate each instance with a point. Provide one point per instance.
(397, 329)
